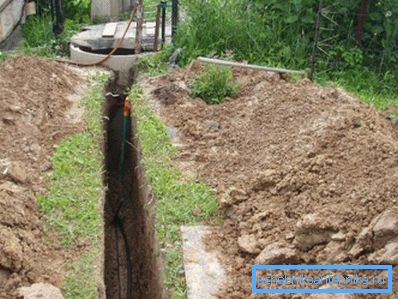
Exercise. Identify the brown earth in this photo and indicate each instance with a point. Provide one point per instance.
(35, 112)
(304, 174)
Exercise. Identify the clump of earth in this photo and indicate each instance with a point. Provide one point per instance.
(304, 174)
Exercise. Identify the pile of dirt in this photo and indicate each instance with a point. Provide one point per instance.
(304, 174)
(35, 104)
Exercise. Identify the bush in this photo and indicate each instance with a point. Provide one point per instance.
(214, 85)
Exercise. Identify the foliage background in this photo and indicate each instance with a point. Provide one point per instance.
(281, 33)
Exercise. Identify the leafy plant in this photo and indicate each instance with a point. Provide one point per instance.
(3, 56)
(214, 85)
(78, 10)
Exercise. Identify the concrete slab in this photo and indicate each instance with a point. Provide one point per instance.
(203, 272)
(109, 30)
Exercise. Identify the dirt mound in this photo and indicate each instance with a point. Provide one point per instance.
(34, 105)
(304, 174)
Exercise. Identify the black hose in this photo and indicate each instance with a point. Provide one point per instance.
(129, 265)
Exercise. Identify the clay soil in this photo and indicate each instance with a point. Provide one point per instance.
(35, 113)
(297, 168)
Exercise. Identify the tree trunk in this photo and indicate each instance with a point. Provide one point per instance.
(363, 11)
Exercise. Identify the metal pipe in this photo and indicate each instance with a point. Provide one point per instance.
(164, 7)
(174, 17)
(248, 66)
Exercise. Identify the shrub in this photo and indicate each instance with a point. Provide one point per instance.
(214, 85)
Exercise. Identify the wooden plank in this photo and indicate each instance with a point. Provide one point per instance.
(248, 66)
(109, 30)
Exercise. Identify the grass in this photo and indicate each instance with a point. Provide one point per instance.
(72, 205)
(176, 200)
(281, 33)
(39, 40)
(367, 86)
(157, 63)
(214, 84)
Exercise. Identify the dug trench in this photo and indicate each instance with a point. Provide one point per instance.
(132, 265)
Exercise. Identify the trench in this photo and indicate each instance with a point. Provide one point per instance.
(131, 259)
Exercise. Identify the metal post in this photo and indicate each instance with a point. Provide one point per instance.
(156, 40)
(174, 16)
(164, 7)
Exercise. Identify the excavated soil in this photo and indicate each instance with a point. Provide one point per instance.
(304, 174)
(36, 110)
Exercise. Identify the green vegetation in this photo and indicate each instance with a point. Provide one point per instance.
(39, 40)
(281, 33)
(214, 84)
(72, 205)
(156, 64)
(176, 200)
(3, 56)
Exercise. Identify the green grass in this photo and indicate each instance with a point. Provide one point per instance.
(39, 40)
(214, 84)
(156, 64)
(72, 205)
(3, 56)
(366, 85)
(176, 200)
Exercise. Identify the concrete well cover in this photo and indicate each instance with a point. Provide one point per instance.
(92, 36)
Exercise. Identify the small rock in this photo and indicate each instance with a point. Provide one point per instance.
(387, 255)
(237, 195)
(17, 173)
(363, 242)
(333, 253)
(248, 244)
(289, 236)
(338, 237)
(40, 290)
(277, 253)
(266, 179)
(312, 230)
(14, 108)
(11, 257)
(196, 212)
(386, 227)
(10, 187)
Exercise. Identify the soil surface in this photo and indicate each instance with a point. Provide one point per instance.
(37, 108)
(304, 174)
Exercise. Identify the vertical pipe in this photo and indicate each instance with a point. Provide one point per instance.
(316, 39)
(174, 17)
(164, 6)
(157, 25)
